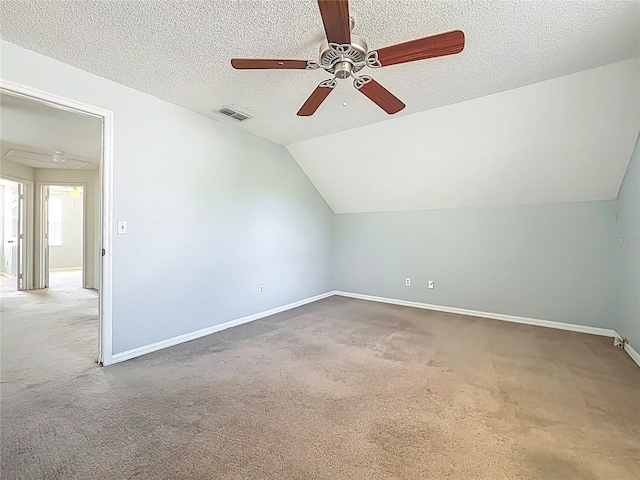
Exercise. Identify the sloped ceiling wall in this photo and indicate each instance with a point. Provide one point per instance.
(179, 51)
(563, 140)
(479, 128)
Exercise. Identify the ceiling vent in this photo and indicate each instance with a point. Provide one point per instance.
(235, 114)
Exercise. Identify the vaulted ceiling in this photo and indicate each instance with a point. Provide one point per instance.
(541, 106)
(564, 140)
(180, 50)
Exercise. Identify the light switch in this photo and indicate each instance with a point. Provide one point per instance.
(122, 227)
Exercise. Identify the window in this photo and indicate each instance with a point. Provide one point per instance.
(55, 220)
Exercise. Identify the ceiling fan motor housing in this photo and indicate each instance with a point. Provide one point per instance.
(343, 69)
(343, 60)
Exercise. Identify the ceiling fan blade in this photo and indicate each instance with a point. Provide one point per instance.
(267, 64)
(318, 96)
(335, 16)
(428, 47)
(378, 94)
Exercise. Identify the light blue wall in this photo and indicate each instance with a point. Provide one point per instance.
(541, 261)
(212, 211)
(627, 247)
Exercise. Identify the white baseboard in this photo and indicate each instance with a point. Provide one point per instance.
(632, 353)
(136, 352)
(606, 332)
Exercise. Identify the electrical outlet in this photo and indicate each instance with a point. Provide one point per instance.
(260, 289)
(430, 284)
(619, 342)
(407, 282)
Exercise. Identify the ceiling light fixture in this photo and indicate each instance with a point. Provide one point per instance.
(59, 157)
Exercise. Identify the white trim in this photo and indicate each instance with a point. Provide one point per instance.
(136, 352)
(40, 231)
(635, 356)
(27, 255)
(105, 287)
(65, 269)
(605, 332)
(106, 202)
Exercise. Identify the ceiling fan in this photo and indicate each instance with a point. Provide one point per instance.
(344, 54)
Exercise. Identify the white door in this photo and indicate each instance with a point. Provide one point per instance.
(17, 235)
(45, 226)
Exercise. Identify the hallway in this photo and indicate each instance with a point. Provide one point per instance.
(47, 333)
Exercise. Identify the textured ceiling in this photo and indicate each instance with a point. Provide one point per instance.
(179, 51)
(34, 127)
(563, 140)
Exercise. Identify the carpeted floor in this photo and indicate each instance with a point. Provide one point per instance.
(338, 389)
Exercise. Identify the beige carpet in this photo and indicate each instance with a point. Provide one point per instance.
(339, 389)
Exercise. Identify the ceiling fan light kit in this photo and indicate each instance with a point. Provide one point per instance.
(343, 54)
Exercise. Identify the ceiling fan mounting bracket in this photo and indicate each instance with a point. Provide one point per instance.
(329, 83)
(360, 82)
(371, 60)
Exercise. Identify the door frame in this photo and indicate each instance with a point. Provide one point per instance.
(105, 288)
(42, 219)
(28, 211)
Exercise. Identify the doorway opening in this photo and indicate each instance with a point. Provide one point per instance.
(12, 202)
(56, 157)
(63, 236)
